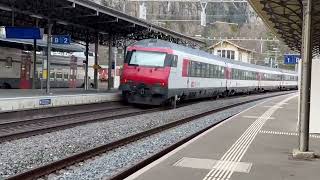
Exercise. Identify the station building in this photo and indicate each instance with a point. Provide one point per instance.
(230, 50)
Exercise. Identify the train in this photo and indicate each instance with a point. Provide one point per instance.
(67, 69)
(157, 72)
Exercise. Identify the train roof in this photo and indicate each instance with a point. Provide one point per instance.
(197, 52)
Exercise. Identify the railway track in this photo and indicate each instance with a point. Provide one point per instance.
(82, 156)
(11, 129)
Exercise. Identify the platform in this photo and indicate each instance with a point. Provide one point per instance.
(256, 144)
(18, 99)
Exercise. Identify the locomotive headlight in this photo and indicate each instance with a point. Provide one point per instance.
(160, 84)
(127, 81)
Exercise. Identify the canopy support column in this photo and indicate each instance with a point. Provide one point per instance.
(305, 79)
(48, 56)
(86, 79)
(304, 107)
(96, 61)
(34, 60)
(110, 84)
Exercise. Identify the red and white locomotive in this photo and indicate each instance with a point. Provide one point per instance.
(156, 72)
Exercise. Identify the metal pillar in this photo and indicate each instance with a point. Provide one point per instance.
(96, 61)
(34, 63)
(124, 53)
(48, 56)
(115, 53)
(110, 64)
(34, 60)
(305, 79)
(86, 79)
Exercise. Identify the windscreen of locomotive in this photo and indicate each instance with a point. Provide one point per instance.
(147, 58)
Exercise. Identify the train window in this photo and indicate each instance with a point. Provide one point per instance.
(52, 75)
(8, 62)
(195, 66)
(212, 71)
(148, 58)
(174, 62)
(36, 74)
(198, 69)
(191, 69)
(208, 71)
(128, 57)
(236, 74)
(66, 76)
(222, 72)
(217, 72)
(203, 69)
(59, 75)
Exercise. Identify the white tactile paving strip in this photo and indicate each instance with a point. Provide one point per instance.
(287, 133)
(224, 169)
(277, 106)
(255, 117)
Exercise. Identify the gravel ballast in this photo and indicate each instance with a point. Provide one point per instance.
(20, 155)
(107, 165)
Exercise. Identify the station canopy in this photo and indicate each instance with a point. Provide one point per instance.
(85, 19)
(285, 18)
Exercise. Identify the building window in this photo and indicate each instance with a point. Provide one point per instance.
(219, 53)
(228, 54)
(232, 55)
(223, 53)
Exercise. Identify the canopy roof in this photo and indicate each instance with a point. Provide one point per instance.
(79, 18)
(285, 17)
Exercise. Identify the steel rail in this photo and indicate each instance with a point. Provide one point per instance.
(82, 156)
(48, 125)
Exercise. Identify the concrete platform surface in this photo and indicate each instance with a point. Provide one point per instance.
(20, 99)
(256, 144)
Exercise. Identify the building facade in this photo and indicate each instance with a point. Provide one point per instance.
(231, 50)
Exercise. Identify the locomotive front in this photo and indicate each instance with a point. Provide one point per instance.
(145, 75)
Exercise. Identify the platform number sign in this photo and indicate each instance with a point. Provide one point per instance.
(61, 39)
(291, 59)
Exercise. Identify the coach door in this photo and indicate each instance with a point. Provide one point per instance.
(259, 79)
(73, 72)
(25, 71)
(228, 76)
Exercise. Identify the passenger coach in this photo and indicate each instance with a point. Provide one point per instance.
(156, 72)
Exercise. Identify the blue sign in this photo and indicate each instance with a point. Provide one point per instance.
(61, 39)
(44, 101)
(112, 65)
(291, 59)
(23, 32)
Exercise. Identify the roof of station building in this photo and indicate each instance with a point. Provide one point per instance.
(285, 17)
